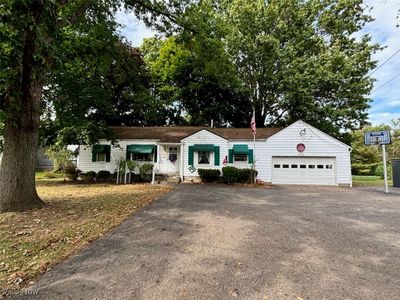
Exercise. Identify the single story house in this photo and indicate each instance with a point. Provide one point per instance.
(297, 154)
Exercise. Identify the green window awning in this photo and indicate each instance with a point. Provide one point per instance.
(144, 149)
(99, 149)
(240, 149)
(203, 147)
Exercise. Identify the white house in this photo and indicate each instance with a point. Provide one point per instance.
(297, 154)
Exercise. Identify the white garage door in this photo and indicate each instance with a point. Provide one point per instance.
(303, 170)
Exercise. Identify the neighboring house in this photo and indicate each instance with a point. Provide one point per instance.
(297, 154)
(42, 161)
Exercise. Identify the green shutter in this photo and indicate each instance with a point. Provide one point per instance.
(128, 154)
(251, 159)
(216, 156)
(101, 149)
(155, 154)
(230, 152)
(190, 158)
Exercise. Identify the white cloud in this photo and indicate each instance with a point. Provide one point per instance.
(380, 118)
(132, 28)
(383, 30)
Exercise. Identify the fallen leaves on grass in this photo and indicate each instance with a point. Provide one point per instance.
(75, 214)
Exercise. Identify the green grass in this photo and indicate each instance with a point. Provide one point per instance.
(45, 175)
(359, 180)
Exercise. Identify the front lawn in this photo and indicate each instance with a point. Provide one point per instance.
(76, 214)
(370, 181)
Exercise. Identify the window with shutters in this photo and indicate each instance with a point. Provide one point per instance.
(101, 157)
(203, 157)
(142, 156)
(240, 157)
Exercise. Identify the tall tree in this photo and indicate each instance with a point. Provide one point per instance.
(31, 33)
(298, 59)
(202, 86)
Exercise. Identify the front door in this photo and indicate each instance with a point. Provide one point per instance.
(173, 159)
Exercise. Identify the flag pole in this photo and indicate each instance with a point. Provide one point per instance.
(254, 146)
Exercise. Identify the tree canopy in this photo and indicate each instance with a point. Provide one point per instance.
(292, 59)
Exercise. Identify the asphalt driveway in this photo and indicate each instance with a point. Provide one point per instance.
(215, 242)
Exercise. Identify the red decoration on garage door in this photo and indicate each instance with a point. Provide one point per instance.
(301, 147)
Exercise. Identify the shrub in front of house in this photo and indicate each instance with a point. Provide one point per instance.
(145, 172)
(232, 175)
(246, 175)
(71, 172)
(88, 177)
(209, 175)
(103, 175)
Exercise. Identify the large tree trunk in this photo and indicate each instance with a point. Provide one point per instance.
(22, 106)
(17, 170)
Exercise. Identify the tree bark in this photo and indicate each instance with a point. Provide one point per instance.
(17, 169)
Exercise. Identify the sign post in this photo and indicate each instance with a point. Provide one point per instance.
(385, 168)
(380, 138)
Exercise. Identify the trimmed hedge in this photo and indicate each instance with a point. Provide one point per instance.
(103, 175)
(145, 172)
(232, 175)
(209, 175)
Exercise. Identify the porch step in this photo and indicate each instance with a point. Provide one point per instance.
(168, 178)
(173, 179)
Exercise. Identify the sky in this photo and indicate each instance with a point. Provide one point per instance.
(386, 92)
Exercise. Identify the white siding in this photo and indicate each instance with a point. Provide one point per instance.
(203, 137)
(165, 166)
(281, 144)
(318, 144)
(85, 163)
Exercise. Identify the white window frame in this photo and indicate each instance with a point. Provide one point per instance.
(209, 158)
(99, 160)
(145, 161)
(241, 161)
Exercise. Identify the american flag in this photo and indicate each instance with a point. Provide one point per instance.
(253, 124)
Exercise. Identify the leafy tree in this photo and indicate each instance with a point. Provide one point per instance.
(37, 40)
(60, 156)
(366, 159)
(204, 87)
(297, 59)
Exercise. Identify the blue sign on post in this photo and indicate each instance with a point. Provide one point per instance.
(377, 138)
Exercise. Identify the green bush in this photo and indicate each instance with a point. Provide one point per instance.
(103, 175)
(230, 175)
(145, 172)
(379, 171)
(363, 169)
(71, 172)
(209, 175)
(246, 175)
(89, 176)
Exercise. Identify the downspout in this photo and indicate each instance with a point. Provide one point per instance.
(182, 160)
(351, 177)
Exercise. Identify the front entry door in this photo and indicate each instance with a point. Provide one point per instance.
(173, 159)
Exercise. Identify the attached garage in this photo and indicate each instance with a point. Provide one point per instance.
(303, 154)
(303, 170)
